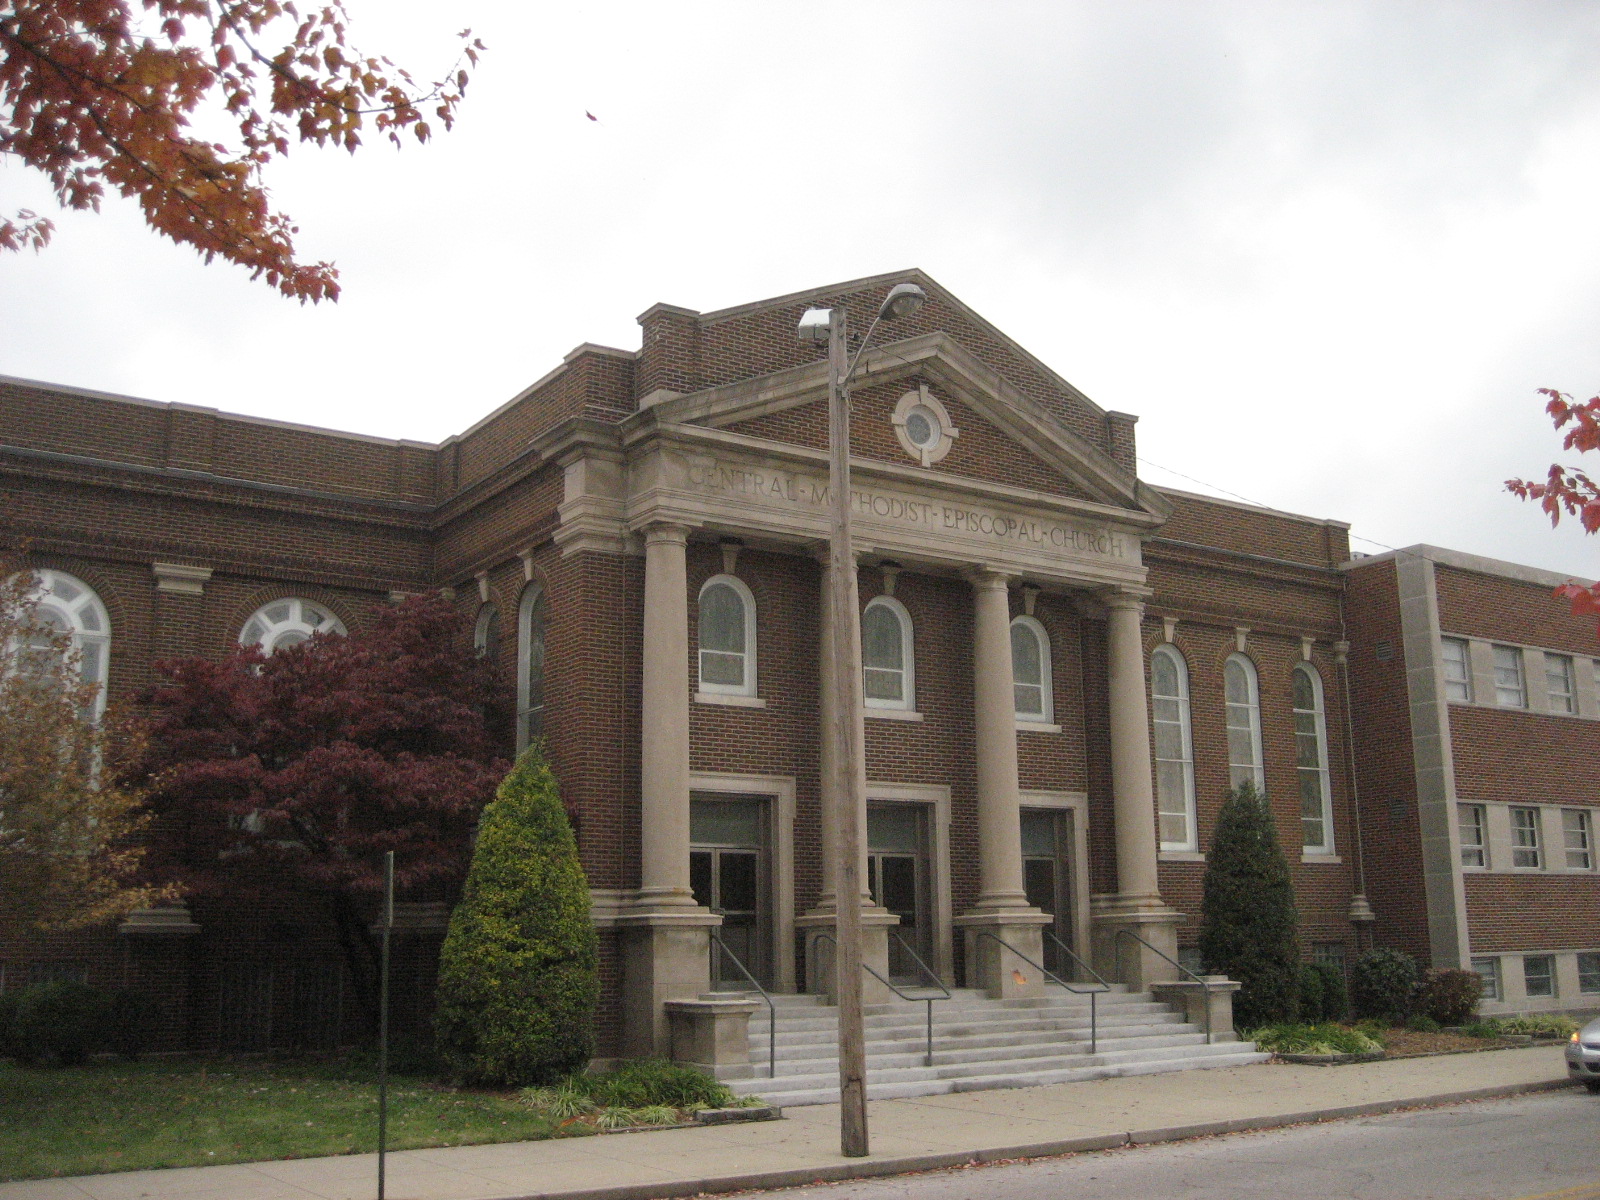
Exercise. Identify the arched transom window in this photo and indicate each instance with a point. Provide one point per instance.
(531, 621)
(287, 622)
(1311, 761)
(1243, 694)
(727, 637)
(68, 605)
(1030, 671)
(887, 655)
(1174, 749)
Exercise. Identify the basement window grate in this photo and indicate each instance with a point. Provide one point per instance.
(1384, 651)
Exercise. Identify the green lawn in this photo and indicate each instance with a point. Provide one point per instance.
(131, 1116)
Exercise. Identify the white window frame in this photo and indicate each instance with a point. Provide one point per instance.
(527, 712)
(79, 608)
(747, 687)
(1528, 976)
(1320, 771)
(1456, 656)
(1588, 981)
(272, 631)
(1510, 677)
(1164, 803)
(1250, 711)
(1530, 847)
(1560, 684)
(908, 658)
(1047, 706)
(1584, 828)
(1473, 818)
(1488, 970)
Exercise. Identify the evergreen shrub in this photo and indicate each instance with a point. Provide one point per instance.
(1312, 993)
(63, 1021)
(1248, 918)
(519, 969)
(1383, 985)
(1450, 996)
(1335, 991)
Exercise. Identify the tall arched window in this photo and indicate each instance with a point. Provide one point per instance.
(1311, 761)
(530, 664)
(486, 633)
(1030, 671)
(1243, 694)
(888, 658)
(287, 622)
(68, 605)
(1174, 749)
(727, 637)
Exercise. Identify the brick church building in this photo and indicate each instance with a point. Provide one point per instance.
(638, 539)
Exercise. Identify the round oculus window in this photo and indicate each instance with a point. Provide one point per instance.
(923, 428)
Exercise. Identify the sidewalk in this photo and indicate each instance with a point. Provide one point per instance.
(907, 1135)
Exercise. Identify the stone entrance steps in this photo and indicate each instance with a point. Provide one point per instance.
(979, 1043)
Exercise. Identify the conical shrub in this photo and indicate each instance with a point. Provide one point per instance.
(518, 972)
(1248, 919)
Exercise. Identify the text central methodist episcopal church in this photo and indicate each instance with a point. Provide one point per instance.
(639, 538)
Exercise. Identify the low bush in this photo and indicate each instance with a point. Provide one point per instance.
(1326, 1038)
(645, 1082)
(1544, 1025)
(1449, 996)
(1383, 984)
(1311, 993)
(1324, 996)
(1422, 1023)
(65, 1022)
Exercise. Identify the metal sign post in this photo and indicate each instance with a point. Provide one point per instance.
(386, 923)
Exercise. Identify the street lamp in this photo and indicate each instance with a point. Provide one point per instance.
(849, 786)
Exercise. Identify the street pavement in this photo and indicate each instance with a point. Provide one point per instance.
(907, 1135)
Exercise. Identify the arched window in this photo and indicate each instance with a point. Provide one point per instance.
(530, 664)
(287, 622)
(1030, 671)
(888, 659)
(727, 637)
(1243, 694)
(1174, 747)
(1311, 761)
(68, 605)
(486, 633)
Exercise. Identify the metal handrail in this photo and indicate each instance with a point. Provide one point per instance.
(772, 1009)
(1205, 984)
(1092, 993)
(926, 970)
(1070, 953)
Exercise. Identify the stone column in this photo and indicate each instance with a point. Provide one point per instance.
(1137, 906)
(1002, 912)
(818, 925)
(666, 947)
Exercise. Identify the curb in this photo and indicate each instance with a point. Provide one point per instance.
(907, 1164)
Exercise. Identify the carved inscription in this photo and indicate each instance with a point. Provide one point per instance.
(784, 487)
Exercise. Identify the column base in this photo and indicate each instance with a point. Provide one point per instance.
(712, 1033)
(666, 955)
(1210, 1002)
(821, 929)
(1004, 970)
(1122, 958)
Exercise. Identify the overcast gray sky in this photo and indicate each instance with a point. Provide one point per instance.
(1326, 251)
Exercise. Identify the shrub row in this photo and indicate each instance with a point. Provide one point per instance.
(64, 1022)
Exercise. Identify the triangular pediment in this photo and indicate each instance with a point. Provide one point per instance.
(1002, 436)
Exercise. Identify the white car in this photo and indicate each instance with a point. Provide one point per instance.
(1583, 1056)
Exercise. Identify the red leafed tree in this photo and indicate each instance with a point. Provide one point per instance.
(1568, 490)
(291, 776)
(98, 92)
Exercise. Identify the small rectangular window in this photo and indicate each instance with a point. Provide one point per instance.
(1457, 670)
(1589, 973)
(1329, 953)
(1539, 974)
(1575, 836)
(1558, 676)
(1510, 689)
(1488, 970)
(1526, 850)
(1474, 842)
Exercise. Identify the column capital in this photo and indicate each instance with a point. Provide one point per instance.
(988, 579)
(666, 531)
(1126, 598)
